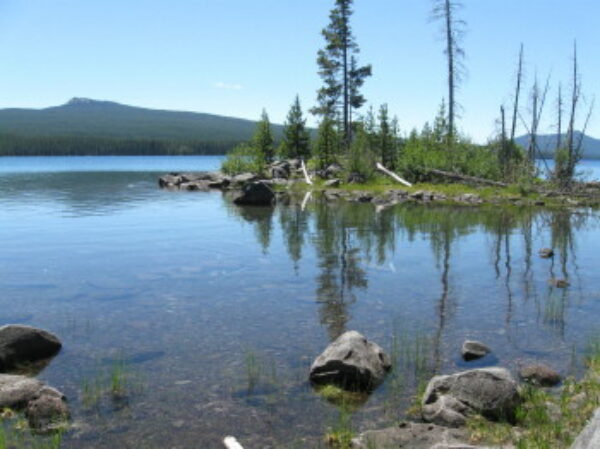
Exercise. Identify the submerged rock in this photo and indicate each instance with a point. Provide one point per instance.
(254, 194)
(20, 345)
(491, 392)
(559, 283)
(539, 374)
(472, 350)
(351, 362)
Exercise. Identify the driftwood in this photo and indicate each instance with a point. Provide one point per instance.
(466, 178)
(306, 177)
(392, 175)
(232, 443)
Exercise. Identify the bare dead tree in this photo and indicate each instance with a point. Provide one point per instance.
(446, 12)
(517, 95)
(538, 101)
(559, 113)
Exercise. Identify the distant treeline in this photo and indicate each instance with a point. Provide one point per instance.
(17, 145)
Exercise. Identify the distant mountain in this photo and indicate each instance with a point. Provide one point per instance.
(547, 144)
(86, 117)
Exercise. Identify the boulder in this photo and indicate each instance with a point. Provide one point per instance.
(332, 183)
(491, 392)
(48, 410)
(546, 253)
(469, 198)
(170, 180)
(351, 362)
(589, 438)
(333, 171)
(243, 178)
(21, 345)
(254, 194)
(45, 407)
(472, 350)
(410, 435)
(539, 374)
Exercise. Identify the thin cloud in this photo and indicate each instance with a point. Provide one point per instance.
(222, 85)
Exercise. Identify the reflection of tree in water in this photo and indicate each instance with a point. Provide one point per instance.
(294, 223)
(339, 262)
(262, 218)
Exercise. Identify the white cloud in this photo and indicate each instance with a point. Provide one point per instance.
(222, 85)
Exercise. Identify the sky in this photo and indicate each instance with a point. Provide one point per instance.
(236, 57)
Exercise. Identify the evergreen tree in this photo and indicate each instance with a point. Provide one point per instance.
(339, 70)
(263, 138)
(296, 139)
(386, 138)
(327, 144)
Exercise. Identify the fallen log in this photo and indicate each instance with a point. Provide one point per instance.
(392, 175)
(467, 178)
(232, 443)
(306, 177)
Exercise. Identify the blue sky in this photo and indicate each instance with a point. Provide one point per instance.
(234, 57)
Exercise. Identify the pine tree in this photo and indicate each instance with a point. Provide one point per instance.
(296, 139)
(386, 138)
(327, 144)
(263, 138)
(339, 69)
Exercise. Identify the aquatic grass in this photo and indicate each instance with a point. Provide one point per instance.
(15, 434)
(340, 435)
(253, 369)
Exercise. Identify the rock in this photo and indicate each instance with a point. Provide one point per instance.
(254, 194)
(410, 435)
(48, 410)
(356, 178)
(491, 392)
(559, 283)
(546, 253)
(361, 197)
(333, 171)
(195, 186)
(243, 178)
(469, 198)
(170, 180)
(280, 169)
(45, 407)
(472, 350)
(589, 438)
(351, 362)
(539, 374)
(332, 183)
(24, 344)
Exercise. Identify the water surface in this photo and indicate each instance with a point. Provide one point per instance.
(216, 312)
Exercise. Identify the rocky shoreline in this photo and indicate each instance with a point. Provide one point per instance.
(285, 178)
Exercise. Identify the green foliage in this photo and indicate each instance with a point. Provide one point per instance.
(326, 148)
(296, 139)
(263, 138)
(360, 163)
(244, 158)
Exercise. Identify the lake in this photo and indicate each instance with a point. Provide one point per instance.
(210, 315)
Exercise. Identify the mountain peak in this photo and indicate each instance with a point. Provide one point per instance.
(82, 101)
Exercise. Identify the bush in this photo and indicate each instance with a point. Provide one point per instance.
(243, 158)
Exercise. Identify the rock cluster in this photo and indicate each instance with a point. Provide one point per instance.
(45, 407)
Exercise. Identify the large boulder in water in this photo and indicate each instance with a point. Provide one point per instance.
(351, 362)
(491, 392)
(254, 194)
(21, 345)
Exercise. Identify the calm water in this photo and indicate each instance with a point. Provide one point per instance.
(216, 312)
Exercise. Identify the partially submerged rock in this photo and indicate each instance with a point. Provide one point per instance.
(559, 283)
(20, 345)
(546, 253)
(411, 435)
(45, 407)
(472, 350)
(351, 362)
(539, 374)
(491, 392)
(254, 194)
